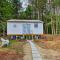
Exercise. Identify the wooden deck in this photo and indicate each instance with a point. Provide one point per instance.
(26, 36)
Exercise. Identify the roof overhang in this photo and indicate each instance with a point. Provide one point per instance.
(29, 21)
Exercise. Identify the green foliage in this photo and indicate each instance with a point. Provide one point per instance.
(5, 10)
(58, 24)
(15, 8)
(56, 2)
(41, 4)
(9, 9)
(3, 27)
(26, 14)
(39, 7)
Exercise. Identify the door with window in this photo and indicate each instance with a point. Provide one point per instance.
(26, 28)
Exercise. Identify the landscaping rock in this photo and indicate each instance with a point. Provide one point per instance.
(5, 42)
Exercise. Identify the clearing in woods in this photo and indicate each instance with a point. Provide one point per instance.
(50, 47)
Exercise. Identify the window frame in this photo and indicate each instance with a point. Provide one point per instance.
(35, 25)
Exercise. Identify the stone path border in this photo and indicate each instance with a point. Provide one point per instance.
(35, 53)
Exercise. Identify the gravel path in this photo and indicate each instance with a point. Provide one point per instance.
(35, 52)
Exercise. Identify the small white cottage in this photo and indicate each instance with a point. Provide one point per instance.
(24, 27)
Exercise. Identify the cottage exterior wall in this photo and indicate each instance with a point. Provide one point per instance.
(17, 28)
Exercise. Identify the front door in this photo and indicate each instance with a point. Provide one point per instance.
(27, 30)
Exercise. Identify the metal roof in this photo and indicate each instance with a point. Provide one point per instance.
(16, 20)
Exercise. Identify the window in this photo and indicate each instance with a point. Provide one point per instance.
(36, 25)
(14, 25)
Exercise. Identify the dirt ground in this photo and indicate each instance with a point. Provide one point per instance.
(27, 52)
(13, 52)
(18, 50)
(49, 48)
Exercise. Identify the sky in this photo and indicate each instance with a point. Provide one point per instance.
(24, 3)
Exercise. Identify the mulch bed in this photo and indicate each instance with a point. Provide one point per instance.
(10, 56)
(51, 42)
(14, 52)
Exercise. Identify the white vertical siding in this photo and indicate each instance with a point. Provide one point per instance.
(18, 29)
(39, 29)
(14, 30)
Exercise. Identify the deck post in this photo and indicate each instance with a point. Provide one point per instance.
(16, 37)
(32, 36)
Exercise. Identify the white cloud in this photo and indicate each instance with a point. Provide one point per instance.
(24, 3)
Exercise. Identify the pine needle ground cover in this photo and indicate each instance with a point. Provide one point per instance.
(13, 52)
(50, 47)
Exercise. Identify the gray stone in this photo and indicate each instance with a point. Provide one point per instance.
(35, 52)
(37, 59)
(36, 55)
(4, 42)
